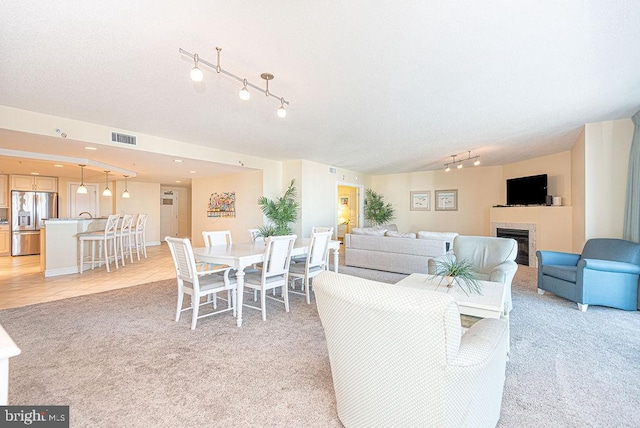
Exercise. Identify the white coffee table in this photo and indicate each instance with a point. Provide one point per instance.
(489, 304)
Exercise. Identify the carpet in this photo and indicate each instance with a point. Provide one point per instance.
(118, 359)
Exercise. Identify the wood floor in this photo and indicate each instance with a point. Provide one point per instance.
(22, 283)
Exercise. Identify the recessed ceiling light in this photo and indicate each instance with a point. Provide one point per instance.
(35, 173)
(178, 160)
(91, 148)
(192, 172)
(178, 181)
(58, 165)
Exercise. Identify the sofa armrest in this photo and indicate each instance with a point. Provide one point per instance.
(504, 272)
(609, 266)
(432, 263)
(557, 258)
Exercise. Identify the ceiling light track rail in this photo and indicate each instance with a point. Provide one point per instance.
(196, 75)
(458, 162)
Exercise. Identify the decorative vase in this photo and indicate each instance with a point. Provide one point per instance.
(449, 280)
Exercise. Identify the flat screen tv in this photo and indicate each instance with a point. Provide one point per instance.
(527, 190)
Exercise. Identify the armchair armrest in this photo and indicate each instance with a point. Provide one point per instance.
(504, 272)
(557, 258)
(480, 342)
(609, 266)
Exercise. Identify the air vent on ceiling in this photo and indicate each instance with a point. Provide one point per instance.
(332, 170)
(116, 137)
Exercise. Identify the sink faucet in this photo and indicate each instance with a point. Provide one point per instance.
(85, 212)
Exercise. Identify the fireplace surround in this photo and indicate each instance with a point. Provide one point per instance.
(529, 229)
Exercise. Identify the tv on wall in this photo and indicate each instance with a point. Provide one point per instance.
(527, 190)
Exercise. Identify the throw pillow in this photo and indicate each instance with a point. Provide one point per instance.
(371, 231)
(394, 234)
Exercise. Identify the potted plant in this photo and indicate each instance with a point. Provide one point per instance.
(459, 272)
(280, 212)
(375, 210)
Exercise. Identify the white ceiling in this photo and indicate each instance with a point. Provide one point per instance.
(374, 86)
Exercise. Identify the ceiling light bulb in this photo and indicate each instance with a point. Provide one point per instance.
(477, 162)
(447, 169)
(244, 92)
(196, 74)
(82, 190)
(459, 166)
(126, 194)
(106, 192)
(281, 111)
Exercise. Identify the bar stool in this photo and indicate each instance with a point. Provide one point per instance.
(124, 235)
(103, 238)
(139, 235)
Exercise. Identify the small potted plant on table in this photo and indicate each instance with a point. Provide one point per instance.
(458, 272)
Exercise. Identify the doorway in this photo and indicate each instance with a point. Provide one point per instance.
(350, 208)
(168, 214)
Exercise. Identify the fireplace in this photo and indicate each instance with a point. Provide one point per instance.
(522, 238)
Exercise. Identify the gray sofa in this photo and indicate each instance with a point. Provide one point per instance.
(395, 253)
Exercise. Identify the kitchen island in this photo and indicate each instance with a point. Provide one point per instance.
(59, 245)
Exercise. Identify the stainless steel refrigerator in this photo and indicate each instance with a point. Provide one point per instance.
(28, 209)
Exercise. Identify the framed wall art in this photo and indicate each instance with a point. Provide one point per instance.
(420, 200)
(222, 205)
(446, 200)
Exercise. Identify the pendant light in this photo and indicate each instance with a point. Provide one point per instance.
(106, 191)
(126, 194)
(244, 92)
(195, 73)
(82, 190)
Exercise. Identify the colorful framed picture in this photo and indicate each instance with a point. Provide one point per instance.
(344, 201)
(420, 200)
(446, 200)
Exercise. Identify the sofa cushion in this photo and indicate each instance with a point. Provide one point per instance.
(566, 273)
(371, 231)
(393, 234)
(447, 237)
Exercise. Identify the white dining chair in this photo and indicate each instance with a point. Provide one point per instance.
(140, 240)
(274, 272)
(197, 283)
(254, 235)
(316, 262)
(124, 237)
(216, 237)
(106, 240)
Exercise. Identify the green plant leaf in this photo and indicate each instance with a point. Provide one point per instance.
(281, 211)
(375, 210)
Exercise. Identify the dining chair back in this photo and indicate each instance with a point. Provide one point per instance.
(216, 237)
(139, 235)
(125, 237)
(197, 283)
(254, 234)
(274, 272)
(316, 262)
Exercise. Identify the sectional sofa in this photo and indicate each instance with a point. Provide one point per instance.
(384, 248)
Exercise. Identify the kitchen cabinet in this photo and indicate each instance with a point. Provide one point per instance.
(4, 191)
(5, 243)
(34, 182)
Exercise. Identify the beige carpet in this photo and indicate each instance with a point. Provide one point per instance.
(118, 359)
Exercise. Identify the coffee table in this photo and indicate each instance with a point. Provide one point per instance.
(489, 304)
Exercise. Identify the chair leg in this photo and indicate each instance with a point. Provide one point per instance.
(540, 291)
(263, 303)
(582, 307)
(81, 256)
(285, 295)
(234, 296)
(179, 308)
(307, 291)
(195, 306)
(106, 253)
(129, 248)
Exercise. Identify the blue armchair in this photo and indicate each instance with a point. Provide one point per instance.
(605, 274)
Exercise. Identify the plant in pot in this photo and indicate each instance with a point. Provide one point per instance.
(458, 272)
(375, 210)
(280, 211)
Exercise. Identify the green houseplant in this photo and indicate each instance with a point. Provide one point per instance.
(280, 211)
(375, 210)
(459, 272)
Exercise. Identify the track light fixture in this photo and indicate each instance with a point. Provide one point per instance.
(197, 76)
(126, 194)
(106, 191)
(458, 162)
(82, 190)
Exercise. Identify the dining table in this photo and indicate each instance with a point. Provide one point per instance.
(240, 256)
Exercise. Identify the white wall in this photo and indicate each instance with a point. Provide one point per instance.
(607, 146)
(578, 193)
(145, 198)
(248, 188)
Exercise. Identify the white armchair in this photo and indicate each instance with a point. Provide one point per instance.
(492, 259)
(398, 357)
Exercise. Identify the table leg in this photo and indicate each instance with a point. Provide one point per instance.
(239, 295)
(336, 259)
